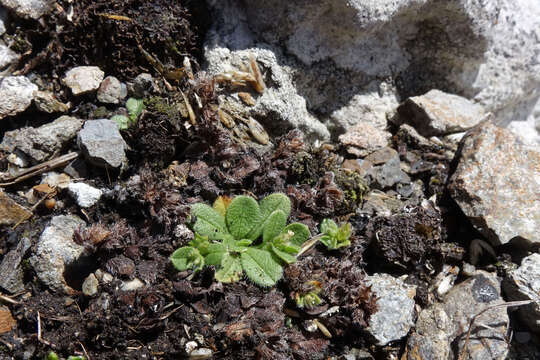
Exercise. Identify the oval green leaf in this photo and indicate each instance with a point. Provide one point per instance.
(260, 267)
(209, 222)
(274, 225)
(231, 269)
(186, 258)
(243, 214)
(301, 233)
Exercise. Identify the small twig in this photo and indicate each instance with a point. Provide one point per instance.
(40, 339)
(309, 244)
(170, 313)
(40, 169)
(84, 350)
(507, 304)
(8, 299)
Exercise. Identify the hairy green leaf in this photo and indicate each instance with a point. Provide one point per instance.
(122, 121)
(134, 108)
(187, 257)
(215, 254)
(268, 205)
(274, 225)
(300, 231)
(285, 256)
(209, 222)
(243, 214)
(231, 269)
(260, 267)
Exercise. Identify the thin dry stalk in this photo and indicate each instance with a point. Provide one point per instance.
(504, 305)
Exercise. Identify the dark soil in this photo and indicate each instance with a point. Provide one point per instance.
(133, 229)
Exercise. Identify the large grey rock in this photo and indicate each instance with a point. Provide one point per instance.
(33, 9)
(395, 308)
(55, 250)
(496, 184)
(16, 93)
(12, 279)
(7, 56)
(523, 283)
(346, 55)
(280, 105)
(40, 143)
(83, 79)
(102, 143)
(438, 113)
(441, 329)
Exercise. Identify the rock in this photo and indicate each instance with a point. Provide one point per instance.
(46, 101)
(12, 279)
(42, 142)
(83, 79)
(55, 250)
(441, 329)
(77, 169)
(389, 174)
(85, 195)
(365, 136)
(11, 213)
(523, 283)
(131, 285)
(280, 103)
(387, 324)
(7, 56)
(33, 9)
(439, 113)
(3, 20)
(346, 54)
(7, 323)
(496, 184)
(90, 285)
(111, 91)
(16, 93)
(102, 143)
(141, 85)
(200, 354)
(377, 203)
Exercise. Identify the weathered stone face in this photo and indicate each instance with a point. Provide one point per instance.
(497, 184)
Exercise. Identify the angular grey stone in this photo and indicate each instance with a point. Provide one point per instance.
(523, 283)
(365, 136)
(55, 250)
(395, 308)
(33, 9)
(142, 84)
(389, 174)
(111, 91)
(496, 184)
(102, 143)
(11, 213)
(42, 142)
(439, 113)
(11, 270)
(16, 93)
(46, 102)
(441, 329)
(85, 195)
(7, 56)
(83, 79)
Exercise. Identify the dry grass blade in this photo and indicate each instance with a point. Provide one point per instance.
(259, 85)
(40, 169)
(116, 17)
(471, 323)
(192, 118)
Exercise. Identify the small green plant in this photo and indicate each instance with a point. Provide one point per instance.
(52, 356)
(335, 237)
(311, 298)
(242, 236)
(134, 108)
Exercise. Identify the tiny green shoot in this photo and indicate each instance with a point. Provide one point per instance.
(335, 237)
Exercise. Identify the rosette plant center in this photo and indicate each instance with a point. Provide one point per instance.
(243, 236)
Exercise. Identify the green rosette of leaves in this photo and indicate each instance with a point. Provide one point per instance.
(243, 236)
